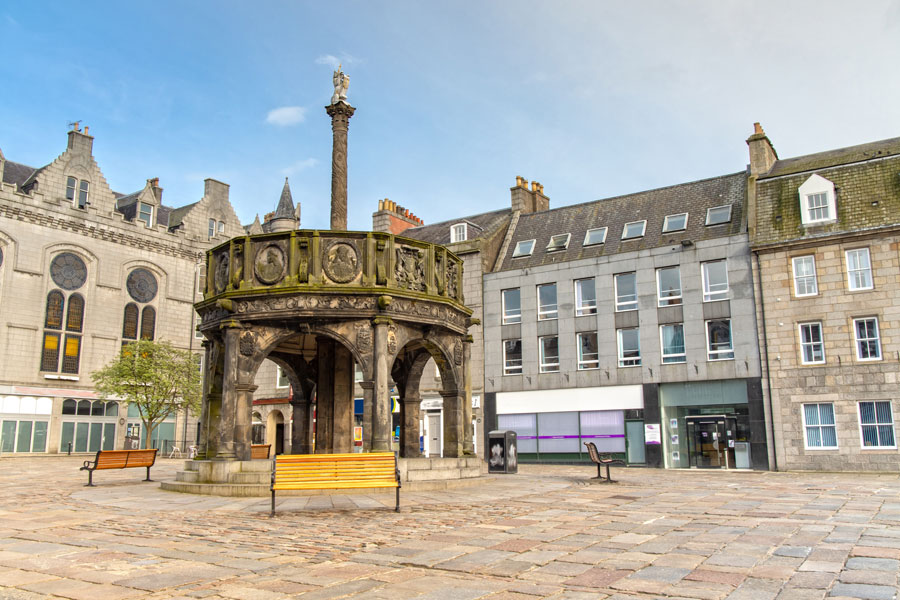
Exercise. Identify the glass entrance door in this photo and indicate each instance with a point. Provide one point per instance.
(707, 445)
(634, 442)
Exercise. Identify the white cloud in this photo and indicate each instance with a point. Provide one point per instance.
(286, 115)
(300, 165)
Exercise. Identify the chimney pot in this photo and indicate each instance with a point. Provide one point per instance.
(757, 128)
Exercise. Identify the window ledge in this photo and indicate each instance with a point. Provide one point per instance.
(63, 377)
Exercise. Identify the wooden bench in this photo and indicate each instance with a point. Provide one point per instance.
(119, 459)
(335, 471)
(260, 451)
(602, 460)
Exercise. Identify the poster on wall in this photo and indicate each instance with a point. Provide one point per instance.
(673, 423)
(651, 433)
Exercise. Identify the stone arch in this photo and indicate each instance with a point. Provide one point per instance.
(276, 431)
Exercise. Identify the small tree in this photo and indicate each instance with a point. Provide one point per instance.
(154, 376)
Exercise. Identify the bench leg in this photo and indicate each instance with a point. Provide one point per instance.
(608, 478)
(90, 482)
(397, 507)
(272, 514)
(148, 475)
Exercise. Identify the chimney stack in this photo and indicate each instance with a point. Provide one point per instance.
(393, 218)
(80, 143)
(528, 201)
(154, 185)
(762, 153)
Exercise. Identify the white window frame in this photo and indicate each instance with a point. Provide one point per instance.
(630, 361)
(623, 306)
(853, 274)
(797, 260)
(279, 376)
(149, 221)
(510, 318)
(587, 236)
(717, 354)
(583, 307)
(667, 228)
(817, 188)
(676, 358)
(587, 364)
(675, 298)
(458, 233)
(804, 344)
(558, 242)
(819, 426)
(545, 313)
(857, 340)
(876, 424)
(710, 295)
(545, 365)
(221, 227)
(713, 210)
(212, 228)
(520, 248)
(625, 228)
(508, 368)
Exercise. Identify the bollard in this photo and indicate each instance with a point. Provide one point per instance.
(70, 448)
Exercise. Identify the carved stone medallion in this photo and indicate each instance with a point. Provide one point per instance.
(269, 264)
(341, 262)
(68, 271)
(248, 344)
(141, 285)
(364, 337)
(220, 278)
(409, 269)
(458, 352)
(392, 340)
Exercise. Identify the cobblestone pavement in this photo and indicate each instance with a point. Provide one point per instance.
(546, 532)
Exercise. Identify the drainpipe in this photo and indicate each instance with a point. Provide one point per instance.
(762, 308)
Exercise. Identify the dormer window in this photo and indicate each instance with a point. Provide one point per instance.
(145, 213)
(77, 192)
(675, 223)
(524, 248)
(594, 236)
(458, 233)
(559, 242)
(817, 201)
(633, 230)
(718, 215)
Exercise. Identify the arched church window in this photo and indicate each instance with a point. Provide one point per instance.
(69, 272)
(142, 287)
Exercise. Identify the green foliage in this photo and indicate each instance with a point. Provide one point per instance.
(159, 379)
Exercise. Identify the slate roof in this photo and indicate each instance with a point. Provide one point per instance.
(831, 158)
(613, 213)
(16, 173)
(285, 207)
(439, 233)
(176, 215)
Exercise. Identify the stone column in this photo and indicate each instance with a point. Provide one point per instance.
(243, 419)
(468, 443)
(325, 396)
(340, 113)
(226, 423)
(342, 430)
(203, 445)
(300, 439)
(409, 426)
(381, 405)
(453, 425)
(368, 404)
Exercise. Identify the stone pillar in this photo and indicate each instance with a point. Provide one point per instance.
(340, 113)
(468, 442)
(409, 426)
(204, 448)
(226, 423)
(243, 419)
(368, 404)
(381, 405)
(453, 425)
(325, 396)
(342, 430)
(300, 438)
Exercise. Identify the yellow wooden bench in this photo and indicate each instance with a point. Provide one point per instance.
(119, 459)
(260, 451)
(335, 471)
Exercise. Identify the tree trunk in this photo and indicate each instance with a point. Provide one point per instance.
(150, 427)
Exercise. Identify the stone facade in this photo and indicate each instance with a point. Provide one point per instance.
(45, 220)
(835, 404)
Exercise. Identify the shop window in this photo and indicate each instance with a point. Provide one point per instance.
(626, 292)
(805, 283)
(549, 347)
(585, 297)
(512, 357)
(512, 306)
(668, 281)
(812, 346)
(547, 307)
(859, 269)
(719, 345)
(818, 422)
(876, 424)
(629, 345)
(868, 343)
(588, 353)
(715, 280)
(672, 343)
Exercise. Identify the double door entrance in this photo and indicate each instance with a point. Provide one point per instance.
(711, 441)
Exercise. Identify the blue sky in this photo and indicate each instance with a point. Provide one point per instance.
(454, 99)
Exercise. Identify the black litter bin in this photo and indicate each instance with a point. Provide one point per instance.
(502, 453)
